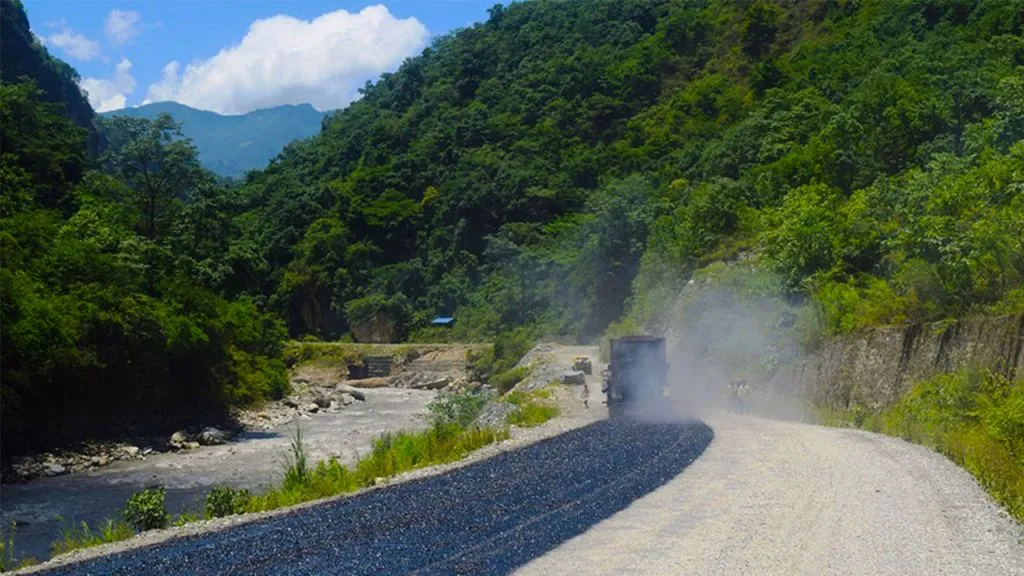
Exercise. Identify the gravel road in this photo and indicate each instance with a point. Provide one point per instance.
(485, 518)
(783, 498)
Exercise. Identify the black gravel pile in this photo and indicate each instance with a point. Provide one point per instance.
(487, 518)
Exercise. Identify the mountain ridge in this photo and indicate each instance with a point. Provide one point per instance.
(231, 145)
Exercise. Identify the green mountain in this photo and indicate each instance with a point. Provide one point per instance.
(564, 164)
(232, 145)
(563, 168)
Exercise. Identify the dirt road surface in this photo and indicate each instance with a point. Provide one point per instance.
(782, 498)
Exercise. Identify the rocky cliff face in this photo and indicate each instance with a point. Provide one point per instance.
(876, 367)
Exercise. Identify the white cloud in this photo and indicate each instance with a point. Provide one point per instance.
(122, 25)
(111, 94)
(283, 60)
(73, 44)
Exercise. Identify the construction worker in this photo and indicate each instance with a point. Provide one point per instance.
(739, 392)
(744, 397)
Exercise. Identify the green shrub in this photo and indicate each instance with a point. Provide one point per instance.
(504, 381)
(297, 473)
(185, 518)
(225, 501)
(457, 407)
(532, 414)
(145, 510)
(480, 362)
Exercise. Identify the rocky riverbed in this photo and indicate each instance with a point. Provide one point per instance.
(252, 458)
(309, 397)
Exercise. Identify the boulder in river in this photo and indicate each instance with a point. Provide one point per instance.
(313, 408)
(352, 391)
(55, 469)
(347, 399)
(179, 438)
(211, 436)
(422, 380)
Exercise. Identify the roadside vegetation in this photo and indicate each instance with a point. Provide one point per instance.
(8, 555)
(532, 408)
(974, 417)
(84, 536)
(451, 436)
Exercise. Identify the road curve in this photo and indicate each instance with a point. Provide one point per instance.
(486, 518)
(772, 497)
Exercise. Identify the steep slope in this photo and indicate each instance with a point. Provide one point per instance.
(565, 162)
(24, 57)
(114, 316)
(233, 145)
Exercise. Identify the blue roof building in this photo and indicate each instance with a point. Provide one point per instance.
(442, 321)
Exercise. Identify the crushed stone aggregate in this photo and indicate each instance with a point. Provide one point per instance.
(489, 517)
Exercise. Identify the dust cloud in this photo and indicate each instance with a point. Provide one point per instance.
(722, 330)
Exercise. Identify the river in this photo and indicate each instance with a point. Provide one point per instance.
(44, 507)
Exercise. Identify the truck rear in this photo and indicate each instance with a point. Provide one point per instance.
(637, 375)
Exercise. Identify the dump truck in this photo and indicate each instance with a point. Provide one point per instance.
(637, 374)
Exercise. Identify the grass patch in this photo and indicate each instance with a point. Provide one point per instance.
(83, 536)
(392, 454)
(533, 410)
(8, 559)
(973, 417)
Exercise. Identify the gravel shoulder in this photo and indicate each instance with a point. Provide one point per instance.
(772, 497)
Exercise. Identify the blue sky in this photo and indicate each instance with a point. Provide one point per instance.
(233, 56)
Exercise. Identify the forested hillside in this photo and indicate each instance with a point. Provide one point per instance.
(232, 145)
(112, 320)
(566, 160)
(551, 170)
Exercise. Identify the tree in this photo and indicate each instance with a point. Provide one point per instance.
(157, 162)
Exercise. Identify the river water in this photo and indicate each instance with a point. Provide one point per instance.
(44, 507)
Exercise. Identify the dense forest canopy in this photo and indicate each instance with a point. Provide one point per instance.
(552, 170)
(565, 160)
(113, 315)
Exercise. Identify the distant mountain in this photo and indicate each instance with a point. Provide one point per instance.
(232, 145)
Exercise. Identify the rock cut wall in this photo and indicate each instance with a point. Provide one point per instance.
(875, 368)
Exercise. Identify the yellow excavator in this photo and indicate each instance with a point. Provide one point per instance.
(583, 364)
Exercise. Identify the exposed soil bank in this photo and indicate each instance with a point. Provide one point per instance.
(876, 367)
